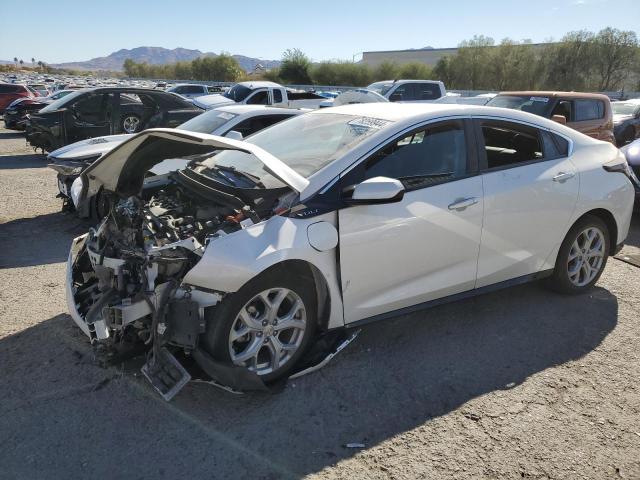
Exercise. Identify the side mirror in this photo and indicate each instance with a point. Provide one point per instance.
(561, 119)
(234, 135)
(375, 191)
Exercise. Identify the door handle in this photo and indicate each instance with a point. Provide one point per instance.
(463, 203)
(563, 176)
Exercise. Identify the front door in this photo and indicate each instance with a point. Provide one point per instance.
(90, 117)
(530, 192)
(423, 247)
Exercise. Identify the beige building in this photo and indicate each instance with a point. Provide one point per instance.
(430, 56)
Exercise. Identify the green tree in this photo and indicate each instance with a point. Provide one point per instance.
(385, 71)
(567, 65)
(295, 67)
(614, 54)
(415, 71)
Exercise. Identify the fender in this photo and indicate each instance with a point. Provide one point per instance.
(232, 260)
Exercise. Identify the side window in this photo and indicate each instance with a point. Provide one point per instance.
(509, 144)
(404, 93)
(89, 105)
(589, 110)
(7, 89)
(435, 154)
(428, 91)
(277, 96)
(259, 98)
(563, 108)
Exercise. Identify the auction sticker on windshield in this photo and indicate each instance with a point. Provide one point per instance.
(539, 99)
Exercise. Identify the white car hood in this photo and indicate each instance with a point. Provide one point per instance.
(211, 101)
(88, 148)
(106, 171)
(619, 118)
(360, 95)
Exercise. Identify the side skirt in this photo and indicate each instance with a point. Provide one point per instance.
(452, 298)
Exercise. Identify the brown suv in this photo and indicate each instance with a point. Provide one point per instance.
(589, 113)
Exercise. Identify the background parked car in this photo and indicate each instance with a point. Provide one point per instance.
(589, 113)
(235, 121)
(10, 92)
(192, 90)
(632, 154)
(105, 111)
(15, 114)
(626, 121)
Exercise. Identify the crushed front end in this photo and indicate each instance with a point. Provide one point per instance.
(124, 278)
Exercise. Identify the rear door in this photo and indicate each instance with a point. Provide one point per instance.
(397, 255)
(530, 191)
(589, 117)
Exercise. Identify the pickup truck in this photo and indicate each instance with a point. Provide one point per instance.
(392, 91)
(260, 93)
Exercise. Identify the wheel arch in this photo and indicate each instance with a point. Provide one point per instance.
(609, 220)
(305, 269)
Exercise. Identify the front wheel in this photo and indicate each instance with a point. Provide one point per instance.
(582, 256)
(266, 326)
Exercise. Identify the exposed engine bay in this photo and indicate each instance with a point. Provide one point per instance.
(127, 275)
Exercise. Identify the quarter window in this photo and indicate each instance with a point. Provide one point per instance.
(589, 110)
(508, 144)
(277, 96)
(422, 158)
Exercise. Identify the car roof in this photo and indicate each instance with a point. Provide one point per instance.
(260, 84)
(408, 80)
(263, 109)
(551, 93)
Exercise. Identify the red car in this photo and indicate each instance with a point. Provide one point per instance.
(10, 92)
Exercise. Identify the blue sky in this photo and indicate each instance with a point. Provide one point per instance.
(74, 30)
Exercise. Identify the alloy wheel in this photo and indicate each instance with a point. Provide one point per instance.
(586, 256)
(130, 124)
(268, 330)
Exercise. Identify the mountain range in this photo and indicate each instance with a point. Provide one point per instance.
(158, 56)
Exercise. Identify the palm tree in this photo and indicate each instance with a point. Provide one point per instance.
(21, 63)
(33, 61)
(15, 61)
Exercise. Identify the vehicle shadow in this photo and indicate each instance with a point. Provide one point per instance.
(46, 239)
(10, 134)
(397, 376)
(18, 161)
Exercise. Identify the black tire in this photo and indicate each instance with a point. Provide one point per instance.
(560, 281)
(629, 135)
(100, 206)
(221, 319)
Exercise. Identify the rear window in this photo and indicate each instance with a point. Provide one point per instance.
(589, 110)
(191, 89)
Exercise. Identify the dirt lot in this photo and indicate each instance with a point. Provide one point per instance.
(522, 383)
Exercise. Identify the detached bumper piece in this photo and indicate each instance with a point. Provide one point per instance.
(165, 373)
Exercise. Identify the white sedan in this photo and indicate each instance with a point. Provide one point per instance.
(334, 219)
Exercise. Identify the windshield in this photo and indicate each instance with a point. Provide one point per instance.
(62, 102)
(624, 108)
(380, 87)
(207, 122)
(306, 143)
(237, 93)
(526, 103)
(60, 94)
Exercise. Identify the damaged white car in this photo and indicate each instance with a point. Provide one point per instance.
(332, 219)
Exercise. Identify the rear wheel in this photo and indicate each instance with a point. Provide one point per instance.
(582, 256)
(131, 123)
(266, 326)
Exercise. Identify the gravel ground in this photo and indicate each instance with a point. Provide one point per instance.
(521, 383)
